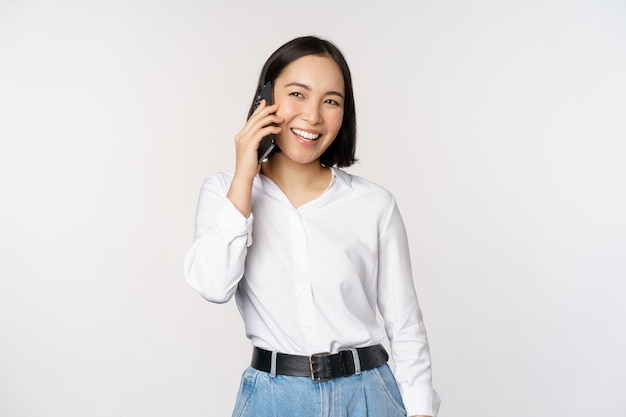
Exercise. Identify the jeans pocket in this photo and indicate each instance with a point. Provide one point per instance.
(248, 381)
(390, 387)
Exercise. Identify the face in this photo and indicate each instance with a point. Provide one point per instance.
(310, 94)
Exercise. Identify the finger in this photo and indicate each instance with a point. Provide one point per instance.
(253, 126)
(260, 118)
(266, 131)
(263, 110)
(250, 142)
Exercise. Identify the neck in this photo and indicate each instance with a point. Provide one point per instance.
(287, 173)
(301, 183)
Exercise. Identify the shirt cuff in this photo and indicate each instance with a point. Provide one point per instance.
(230, 220)
(421, 402)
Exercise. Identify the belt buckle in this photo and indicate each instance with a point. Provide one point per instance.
(315, 372)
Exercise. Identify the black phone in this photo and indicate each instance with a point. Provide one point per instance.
(268, 143)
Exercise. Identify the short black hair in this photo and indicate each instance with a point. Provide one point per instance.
(341, 152)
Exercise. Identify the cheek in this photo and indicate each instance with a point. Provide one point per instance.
(335, 120)
(285, 110)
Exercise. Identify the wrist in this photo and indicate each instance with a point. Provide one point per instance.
(243, 178)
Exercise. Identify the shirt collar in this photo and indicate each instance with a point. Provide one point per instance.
(342, 176)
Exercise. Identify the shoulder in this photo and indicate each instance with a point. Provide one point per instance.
(361, 185)
(220, 176)
(217, 182)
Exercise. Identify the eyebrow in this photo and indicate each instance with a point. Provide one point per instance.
(306, 87)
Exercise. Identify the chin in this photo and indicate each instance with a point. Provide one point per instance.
(299, 157)
(304, 160)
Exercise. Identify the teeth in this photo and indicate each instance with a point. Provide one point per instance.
(306, 135)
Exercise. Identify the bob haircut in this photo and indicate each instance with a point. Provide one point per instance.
(341, 152)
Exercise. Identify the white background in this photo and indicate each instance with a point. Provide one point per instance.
(499, 126)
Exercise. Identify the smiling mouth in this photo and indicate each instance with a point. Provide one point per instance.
(306, 135)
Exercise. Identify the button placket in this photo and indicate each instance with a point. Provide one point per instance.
(302, 284)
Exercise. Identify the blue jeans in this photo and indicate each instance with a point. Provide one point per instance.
(372, 393)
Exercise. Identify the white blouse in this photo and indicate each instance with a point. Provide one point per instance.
(310, 279)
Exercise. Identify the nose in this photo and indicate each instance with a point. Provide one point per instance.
(312, 113)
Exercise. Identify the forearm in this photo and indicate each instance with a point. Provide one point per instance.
(214, 267)
(398, 304)
(215, 262)
(240, 194)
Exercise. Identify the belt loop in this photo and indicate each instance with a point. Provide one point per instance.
(273, 365)
(357, 361)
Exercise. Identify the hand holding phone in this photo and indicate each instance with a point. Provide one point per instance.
(268, 143)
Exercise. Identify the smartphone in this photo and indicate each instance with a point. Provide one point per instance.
(268, 143)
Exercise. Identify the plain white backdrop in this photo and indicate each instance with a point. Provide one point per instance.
(499, 126)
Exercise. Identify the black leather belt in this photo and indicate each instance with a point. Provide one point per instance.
(321, 366)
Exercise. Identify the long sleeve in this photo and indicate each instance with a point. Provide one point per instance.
(398, 304)
(214, 264)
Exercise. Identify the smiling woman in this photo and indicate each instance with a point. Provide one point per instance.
(310, 251)
(309, 94)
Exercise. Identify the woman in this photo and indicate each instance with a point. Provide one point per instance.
(310, 252)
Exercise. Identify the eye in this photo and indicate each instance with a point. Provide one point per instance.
(296, 94)
(332, 102)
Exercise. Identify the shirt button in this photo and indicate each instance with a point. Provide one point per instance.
(302, 289)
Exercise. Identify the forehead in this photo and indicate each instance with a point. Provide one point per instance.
(315, 71)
